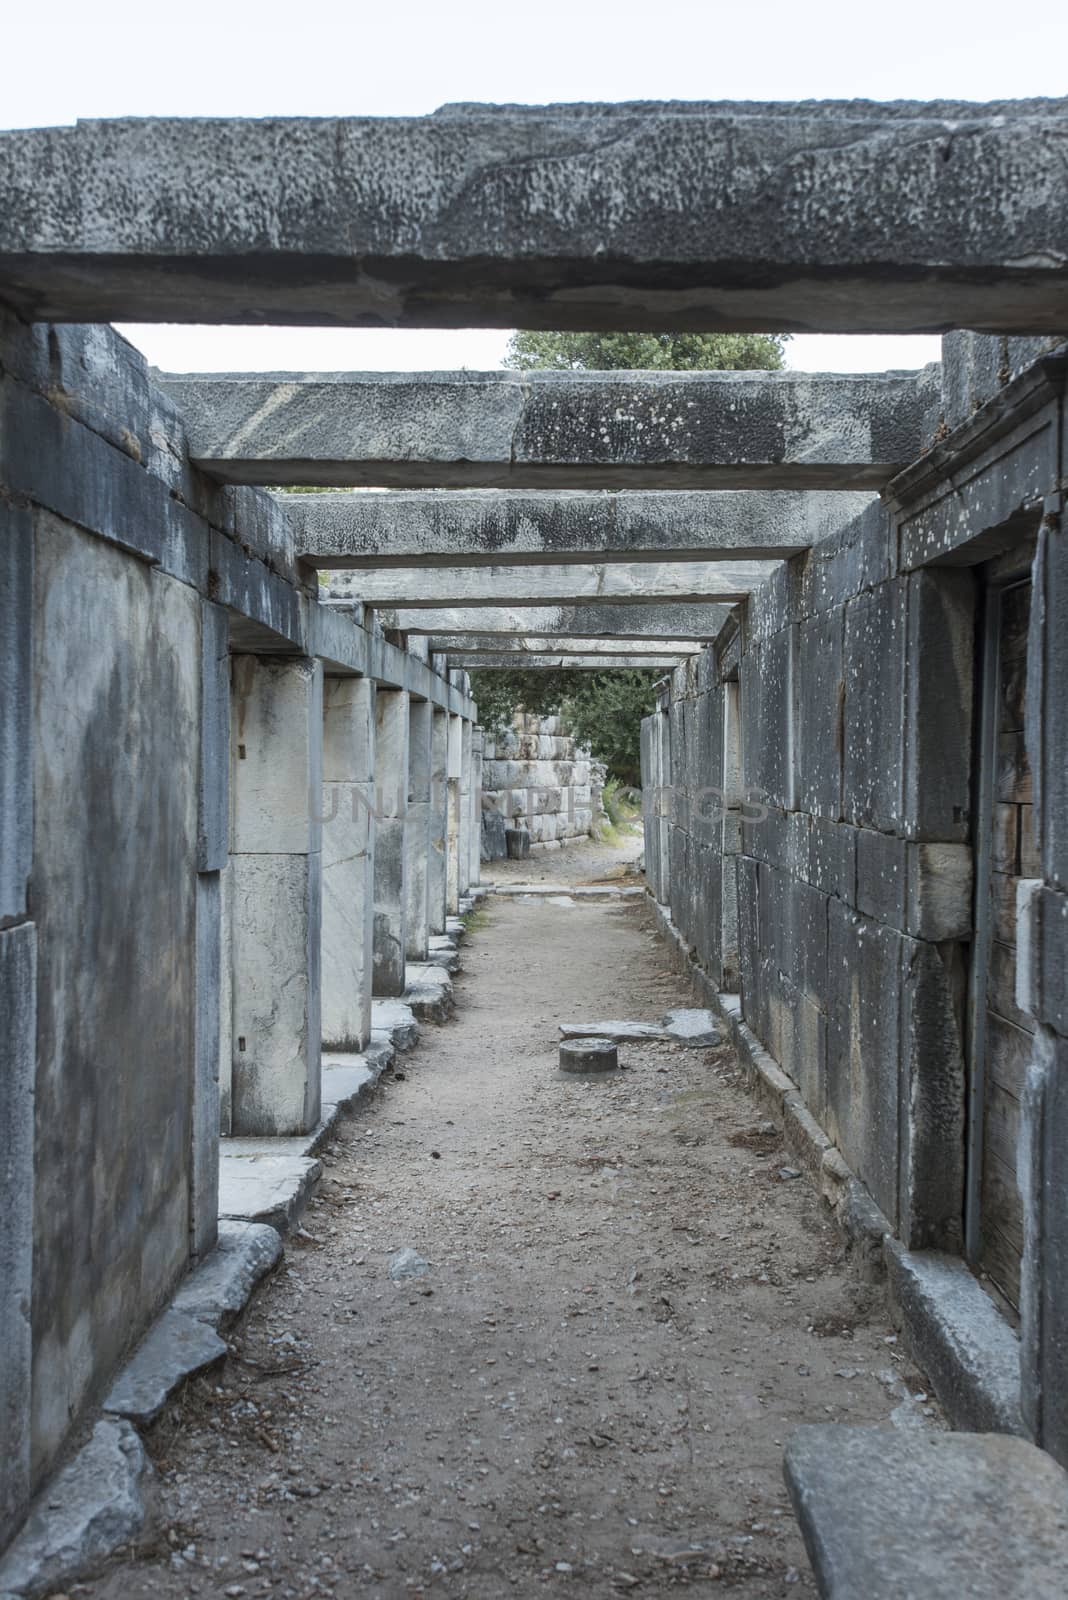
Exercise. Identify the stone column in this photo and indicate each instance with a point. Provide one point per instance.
(665, 806)
(474, 837)
(276, 888)
(731, 840)
(417, 831)
(348, 860)
(452, 837)
(391, 806)
(464, 844)
(437, 872)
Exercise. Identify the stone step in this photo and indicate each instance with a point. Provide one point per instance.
(926, 1515)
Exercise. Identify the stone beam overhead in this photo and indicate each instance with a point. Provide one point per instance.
(834, 216)
(558, 430)
(564, 663)
(466, 647)
(583, 622)
(482, 527)
(616, 584)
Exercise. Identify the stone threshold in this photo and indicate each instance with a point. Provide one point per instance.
(951, 1327)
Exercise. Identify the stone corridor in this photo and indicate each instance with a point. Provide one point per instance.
(628, 1310)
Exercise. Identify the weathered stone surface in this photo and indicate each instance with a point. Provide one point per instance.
(16, 696)
(18, 1028)
(468, 647)
(942, 607)
(117, 681)
(579, 430)
(702, 623)
(100, 1501)
(428, 991)
(588, 1055)
(835, 216)
(348, 843)
(175, 1347)
(222, 1284)
(390, 861)
(603, 591)
(872, 732)
(958, 1338)
(449, 528)
(558, 662)
(443, 953)
(213, 812)
(265, 1187)
(394, 1020)
(1044, 1276)
(888, 1513)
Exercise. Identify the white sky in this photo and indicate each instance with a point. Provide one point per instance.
(369, 57)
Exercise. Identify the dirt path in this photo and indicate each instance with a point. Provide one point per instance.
(628, 1310)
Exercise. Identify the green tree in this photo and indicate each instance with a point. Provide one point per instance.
(651, 352)
(602, 709)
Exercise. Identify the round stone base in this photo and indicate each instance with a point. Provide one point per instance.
(588, 1055)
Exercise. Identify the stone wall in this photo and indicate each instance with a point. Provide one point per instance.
(536, 776)
(811, 787)
(134, 774)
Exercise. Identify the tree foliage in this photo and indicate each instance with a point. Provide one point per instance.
(655, 352)
(602, 709)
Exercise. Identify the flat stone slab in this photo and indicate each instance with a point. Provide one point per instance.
(697, 1029)
(549, 891)
(443, 953)
(455, 928)
(395, 1021)
(221, 1286)
(428, 991)
(175, 1347)
(349, 1078)
(958, 1337)
(906, 1515)
(265, 1186)
(100, 1501)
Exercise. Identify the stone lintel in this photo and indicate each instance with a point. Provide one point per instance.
(835, 216)
(558, 430)
(483, 527)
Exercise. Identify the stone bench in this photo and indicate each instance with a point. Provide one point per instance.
(925, 1515)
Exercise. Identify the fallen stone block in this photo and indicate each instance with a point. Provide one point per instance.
(175, 1347)
(891, 1513)
(619, 1032)
(394, 1022)
(266, 1187)
(957, 1336)
(222, 1285)
(699, 1029)
(101, 1501)
(696, 1029)
(407, 1263)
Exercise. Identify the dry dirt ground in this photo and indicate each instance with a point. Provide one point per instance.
(628, 1309)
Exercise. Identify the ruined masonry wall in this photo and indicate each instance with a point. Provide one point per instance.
(832, 887)
(536, 776)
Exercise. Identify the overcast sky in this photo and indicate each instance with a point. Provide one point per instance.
(316, 58)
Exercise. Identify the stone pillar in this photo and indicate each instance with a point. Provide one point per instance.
(474, 836)
(276, 885)
(391, 806)
(452, 836)
(348, 860)
(465, 805)
(731, 841)
(665, 805)
(417, 831)
(437, 872)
